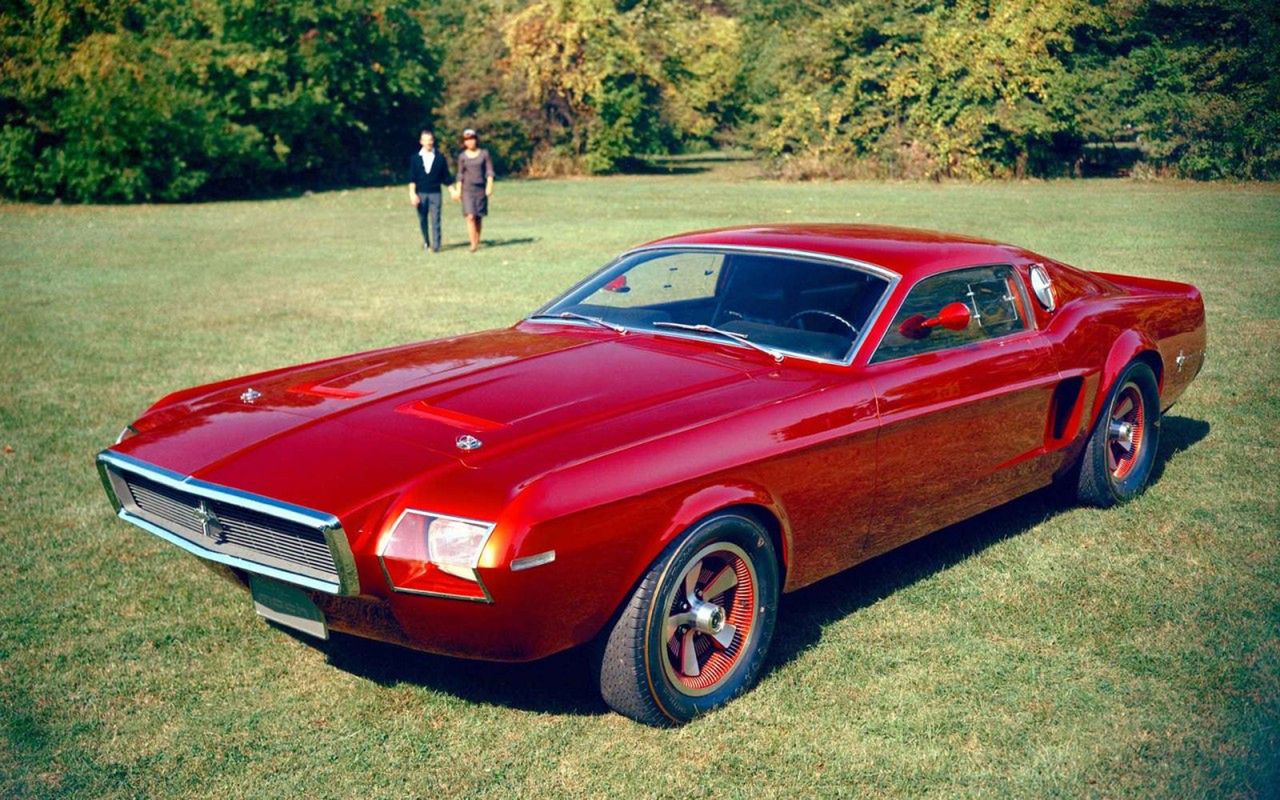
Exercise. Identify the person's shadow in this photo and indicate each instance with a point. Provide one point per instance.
(487, 243)
(562, 684)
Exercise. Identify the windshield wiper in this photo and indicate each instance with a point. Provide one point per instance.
(584, 318)
(741, 338)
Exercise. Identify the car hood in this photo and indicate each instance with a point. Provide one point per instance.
(536, 398)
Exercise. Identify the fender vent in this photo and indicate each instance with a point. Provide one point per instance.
(1064, 411)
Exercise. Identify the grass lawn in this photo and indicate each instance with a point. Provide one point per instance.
(1036, 650)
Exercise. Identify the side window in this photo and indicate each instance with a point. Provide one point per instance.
(992, 296)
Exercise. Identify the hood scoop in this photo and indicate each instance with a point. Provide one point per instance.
(455, 419)
(318, 389)
(336, 386)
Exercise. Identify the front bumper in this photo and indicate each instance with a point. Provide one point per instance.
(522, 630)
(534, 613)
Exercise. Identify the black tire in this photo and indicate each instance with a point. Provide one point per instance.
(643, 673)
(1110, 474)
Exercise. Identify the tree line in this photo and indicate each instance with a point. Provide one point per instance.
(126, 101)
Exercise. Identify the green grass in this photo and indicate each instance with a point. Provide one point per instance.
(1036, 650)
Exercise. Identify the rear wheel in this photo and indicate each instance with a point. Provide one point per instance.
(695, 632)
(1121, 451)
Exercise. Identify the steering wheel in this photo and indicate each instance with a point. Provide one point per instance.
(820, 313)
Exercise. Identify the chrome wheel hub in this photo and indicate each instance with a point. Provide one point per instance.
(708, 617)
(1122, 433)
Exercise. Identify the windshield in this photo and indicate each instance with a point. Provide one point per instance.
(796, 305)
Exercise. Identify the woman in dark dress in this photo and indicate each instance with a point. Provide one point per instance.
(475, 184)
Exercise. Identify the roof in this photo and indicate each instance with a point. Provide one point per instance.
(909, 252)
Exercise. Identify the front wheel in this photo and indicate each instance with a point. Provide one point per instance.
(695, 632)
(1121, 451)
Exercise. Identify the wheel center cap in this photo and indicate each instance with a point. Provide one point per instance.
(1122, 432)
(708, 617)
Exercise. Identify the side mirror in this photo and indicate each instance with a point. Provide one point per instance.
(952, 316)
(618, 284)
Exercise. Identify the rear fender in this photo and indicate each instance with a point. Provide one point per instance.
(1129, 346)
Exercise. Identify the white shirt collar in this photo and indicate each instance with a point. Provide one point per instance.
(428, 156)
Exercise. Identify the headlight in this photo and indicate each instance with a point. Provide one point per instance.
(435, 554)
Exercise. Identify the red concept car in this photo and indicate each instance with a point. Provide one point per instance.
(645, 464)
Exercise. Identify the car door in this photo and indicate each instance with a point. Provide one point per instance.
(963, 407)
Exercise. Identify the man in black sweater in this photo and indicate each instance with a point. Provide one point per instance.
(427, 173)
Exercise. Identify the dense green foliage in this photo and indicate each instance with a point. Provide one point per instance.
(588, 85)
(599, 74)
(973, 88)
(125, 101)
(1200, 79)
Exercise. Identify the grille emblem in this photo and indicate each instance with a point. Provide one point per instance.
(468, 442)
(210, 525)
(250, 395)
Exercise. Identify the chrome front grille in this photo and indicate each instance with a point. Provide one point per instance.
(240, 528)
(254, 533)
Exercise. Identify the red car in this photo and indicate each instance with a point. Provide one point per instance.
(648, 462)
